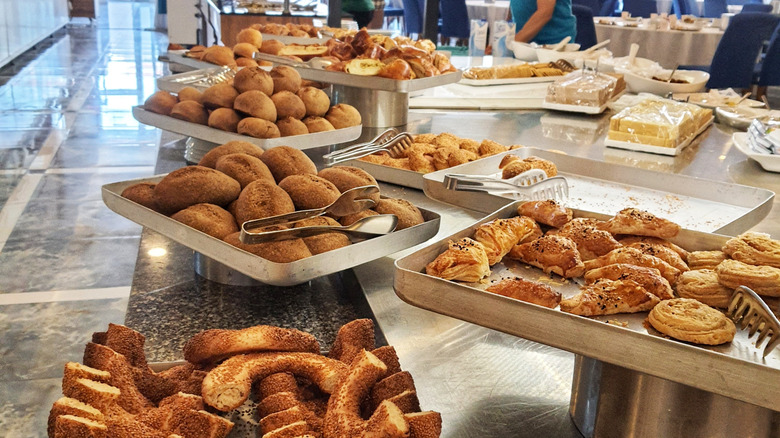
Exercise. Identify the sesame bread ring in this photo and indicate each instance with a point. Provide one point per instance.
(213, 345)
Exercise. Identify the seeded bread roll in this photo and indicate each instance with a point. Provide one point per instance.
(208, 218)
(254, 103)
(251, 36)
(408, 214)
(284, 161)
(286, 79)
(258, 128)
(194, 185)
(224, 119)
(189, 93)
(348, 177)
(190, 111)
(288, 105)
(309, 191)
(289, 126)
(219, 96)
(253, 78)
(285, 251)
(141, 193)
(316, 101)
(243, 168)
(343, 116)
(317, 124)
(231, 147)
(261, 199)
(161, 102)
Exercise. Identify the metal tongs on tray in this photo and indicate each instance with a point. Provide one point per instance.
(391, 140)
(532, 185)
(350, 202)
(748, 310)
(317, 63)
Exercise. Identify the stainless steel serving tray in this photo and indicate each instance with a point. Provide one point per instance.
(198, 79)
(734, 370)
(392, 175)
(265, 271)
(178, 57)
(606, 188)
(218, 136)
(287, 39)
(377, 83)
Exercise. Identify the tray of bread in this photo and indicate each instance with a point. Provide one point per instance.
(584, 92)
(631, 289)
(659, 126)
(197, 79)
(508, 74)
(428, 153)
(241, 383)
(268, 108)
(695, 203)
(204, 207)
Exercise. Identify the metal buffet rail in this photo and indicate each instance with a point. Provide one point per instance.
(485, 383)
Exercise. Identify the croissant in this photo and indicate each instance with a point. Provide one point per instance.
(464, 260)
(501, 235)
(551, 253)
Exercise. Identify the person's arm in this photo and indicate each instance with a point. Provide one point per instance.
(543, 14)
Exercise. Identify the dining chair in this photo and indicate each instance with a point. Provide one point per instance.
(640, 8)
(756, 7)
(767, 72)
(714, 8)
(735, 58)
(586, 30)
(686, 7)
(413, 13)
(593, 5)
(608, 8)
(454, 19)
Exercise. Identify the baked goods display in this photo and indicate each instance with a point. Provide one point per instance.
(513, 71)
(238, 181)
(278, 374)
(581, 88)
(258, 104)
(692, 321)
(658, 122)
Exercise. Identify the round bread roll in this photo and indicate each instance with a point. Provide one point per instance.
(290, 126)
(161, 102)
(196, 51)
(284, 161)
(352, 218)
(284, 251)
(251, 36)
(219, 96)
(317, 124)
(343, 116)
(208, 218)
(190, 111)
(246, 62)
(253, 78)
(190, 93)
(325, 242)
(245, 50)
(315, 100)
(243, 168)
(288, 105)
(194, 185)
(408, 214)
(348, 177)
(141, 193)
(225, 119)
(219, 55)
(285, 79)
(689, 320)
(255, 103)
(309, 191)
(231, 147)
(261, 199)
(271, 47)
(258, 128)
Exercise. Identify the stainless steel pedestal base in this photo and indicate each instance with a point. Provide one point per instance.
(196, 148)
(219, 273)
(379, 108)
(612, 401)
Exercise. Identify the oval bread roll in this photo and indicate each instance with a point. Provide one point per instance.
(343, 116)
(141, 193)
(285, 251)
(161, 102)
(208, 218)
(408, 214)
(284, 161)
(289, 126)
(251, 36)
(255, 103)
(348, 177)
(231, 147)
(243, 168)
(194, 185)
(224, 119)
(219, 96)
(316, 101)
(190, 111)
(258, 128)
(253, 78)
(261, 199)
(309, 191)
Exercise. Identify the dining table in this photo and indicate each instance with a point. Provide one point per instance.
(686, 45)
(489, 11)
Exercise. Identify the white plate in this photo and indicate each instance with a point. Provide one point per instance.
(770, 163)
(640, 84)
(527, 51)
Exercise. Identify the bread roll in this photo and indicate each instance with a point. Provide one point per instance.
(245, 50)
(408, 214)
(251, 36)
(285, 79)
(261, 199)
(352, 218)
(317, 124)
(271, 47)
(219, 96)
(348, 177)
(246, 62)
(254, 103)
(208, 218)
(315, 100)
(258, 128)
(190, 111)
(161, 102)
(219, 55)
(284, 161)
(309, 191)
(253, 78)
(231, 147)
(285, 251)
(343, 116)
(194, 185)
(141, 193)
(289, 126)
(243, 168)
(190, 93)
(225, 119)
(288, 104)
(323, 242)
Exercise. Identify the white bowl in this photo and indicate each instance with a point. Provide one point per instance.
(527, 51)
(576, 58)
(620, 65)
(696, 80)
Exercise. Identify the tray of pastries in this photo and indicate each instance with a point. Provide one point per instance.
(631, 289)
(522, 73)
(601, 187)
(203, 207)
(268, 108)
(241, 383)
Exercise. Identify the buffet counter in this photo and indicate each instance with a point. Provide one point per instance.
(484, 383)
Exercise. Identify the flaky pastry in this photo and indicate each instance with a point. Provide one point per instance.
(528, 291)
(662, 252)
(703, 285)
(648, 278)
(764, 280)
(552, 254)
(591, 242)
(498, 237)
(608, 297)
(628, 240)
(754, 249)
(633, 256)
(546, 212)
(641, 223)
(705, 259)
(692, 321)
(464, 260)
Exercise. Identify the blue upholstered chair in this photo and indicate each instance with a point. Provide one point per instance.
(756, 7)
(768, 70)
(586, 30)
(454, 19)
(685, 7)
(714, 8)
(413, 15)
(593, 5)
(608, 8)
(639, 8)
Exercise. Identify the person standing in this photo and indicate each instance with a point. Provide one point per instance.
(362, 11)
(543, 21)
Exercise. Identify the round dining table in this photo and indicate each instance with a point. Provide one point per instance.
(669, 48)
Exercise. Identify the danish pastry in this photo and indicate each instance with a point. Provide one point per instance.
(501, 235)
(552, 254)
(464, 260)
(689, 320)
(641, 223)
(648, 278)
(628, 240)
(703, 285)
(705, 259)
(546, 212)
(608, 297)
(754, 249)
(764, 280)
(662, 252)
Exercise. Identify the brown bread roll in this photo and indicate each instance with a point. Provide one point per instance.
(251, 36)
(288, 105)
(271, 46)
(219, 55)
(253, 78)
(194, 185)
(408, 214)
(258, 128)
(219, 96)
(285, 79)
(352, 218)
(254, 103)
(161, 102)
(190, 111)
(243, 168)
(231, 147)
(246, 62)
(348, 177)
(317, 124)
(309, 191)
(323, 242)
(208, 218)
(284, 161)
(190, 93)
(289, 126)
(285, 251)
(315, 100)
(343, 116)
(141, 193)
(224, 119)
(261, 199)
(244, 50)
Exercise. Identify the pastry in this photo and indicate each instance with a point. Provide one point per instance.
(546, 212)
(608, 297)
(224, 119)
(464, 260)
(289, 126)
(408, 214)
(705, 259)
(343, 116)
(284, 161)
(641, 223)
(490, 147)
(212, 346)
(754, 249)
(208, 218)
(194, 185)
(461, 156)
(764, 280)
(231, 147)
(190, 111)
(349, 177)
(315, 100)
(255, 103)
(662, 252)
(260, 199)
(633, 256)
(161, 102)
(591, 242)
(219, 96)
(243, 168)
(317, 124)
(516, 166)
(258, 128)
(628, 239)
(285, 79)
(703, 285)
(528, 291)
(253, 78)
(689, 320)
(552, 254)
(498, 237)
(648, 278)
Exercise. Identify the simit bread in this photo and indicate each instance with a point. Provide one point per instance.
(343, 116)
(258, 128)
(348, 177)
(194, 185)
(208, 218)
(284, 161)
(309, 191)
(290, 126)
(253, 78)
(288, 105)
(190, 111)
(254, 103)
(261, 199)
(408, 214)
(161, 102)
(141, 193)
(231, 147)
(225, 119)
(243, 168)
(315, 100)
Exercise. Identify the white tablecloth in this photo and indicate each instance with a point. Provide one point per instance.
(491, 12)
(667, 47)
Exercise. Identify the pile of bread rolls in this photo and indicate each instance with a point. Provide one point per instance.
(238, 181)
(259, 104)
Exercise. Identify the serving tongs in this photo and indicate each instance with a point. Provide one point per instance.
(748, 310)
(362, 229)
(391, 141)
(316, 63)
(532, 184)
